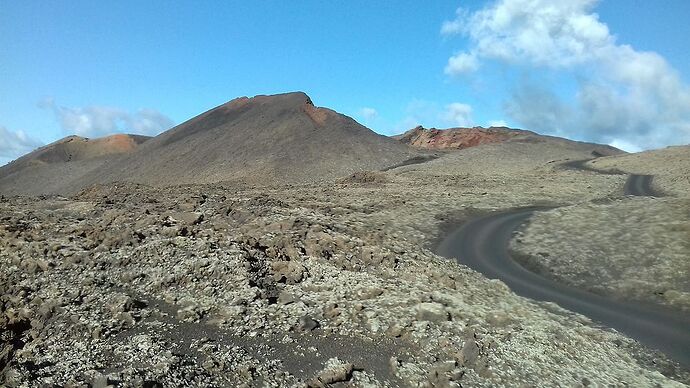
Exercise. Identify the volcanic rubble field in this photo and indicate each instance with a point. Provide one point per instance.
(625, 248)
(592, 247)
(328, 284)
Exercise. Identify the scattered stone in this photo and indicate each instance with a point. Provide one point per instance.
(335, 371)
(395, 330)
(369, 293)
(186, 218)
(307, 323)
(432, 312)
(285, 298)
(331, 311)
(289, 272)
(469, 353)
(268, 267)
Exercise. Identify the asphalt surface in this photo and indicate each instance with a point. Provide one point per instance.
(635, 185)
(640, 185)
(582, 165)
(482, 244)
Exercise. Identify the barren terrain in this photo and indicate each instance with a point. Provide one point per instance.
(670, 167)
(632, 248)
(214, 285)
(57, 167)
(627, 248)
(461, 138)
(263, 140)
(269, 242)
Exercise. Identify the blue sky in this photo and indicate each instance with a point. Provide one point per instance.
(95, 68)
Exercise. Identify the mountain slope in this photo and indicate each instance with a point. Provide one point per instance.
(261, 140)
(670, 167)
(264, 140)
(459, 138)
(59, 166)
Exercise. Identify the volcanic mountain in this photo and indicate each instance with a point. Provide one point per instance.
(60, 163)
(459, 138)
(263, 140)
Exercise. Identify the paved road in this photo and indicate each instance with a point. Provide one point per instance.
(482, 244)
(635, 185)
(640, 185)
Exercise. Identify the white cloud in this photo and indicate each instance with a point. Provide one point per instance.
(624, 145)
(543, 32)
(14, 144)
(454, 26)
(497, 123)
(623, 95)
(538, 109)
(434, 115)
(368, 114)
(96, 121)
(458, 114)
(148, 122)
(90, 121)
(462, 63)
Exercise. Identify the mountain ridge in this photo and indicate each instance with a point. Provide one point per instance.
(262, 140)
(466, 137)
(265, 140)
(61, 162)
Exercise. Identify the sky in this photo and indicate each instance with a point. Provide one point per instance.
(610, 71)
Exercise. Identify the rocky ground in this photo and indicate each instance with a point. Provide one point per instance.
(625, 247)
(297, 286)
(670, 167)
(630, 248)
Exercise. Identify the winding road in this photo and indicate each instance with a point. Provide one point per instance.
(482, 244)
(640, 185)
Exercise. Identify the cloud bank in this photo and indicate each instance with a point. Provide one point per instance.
(458, 114)
(368, 114)
(623, 96)
(96, 121)
(432, 114)
(14, 144)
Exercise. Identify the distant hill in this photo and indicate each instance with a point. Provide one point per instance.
(58, 165)
(459, 138)
(264, 140)
(261, 140)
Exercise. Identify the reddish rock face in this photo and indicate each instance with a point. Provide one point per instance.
(457, 138)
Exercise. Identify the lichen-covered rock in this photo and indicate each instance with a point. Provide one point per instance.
(289, 272)
(433, 312)
(335, 371)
